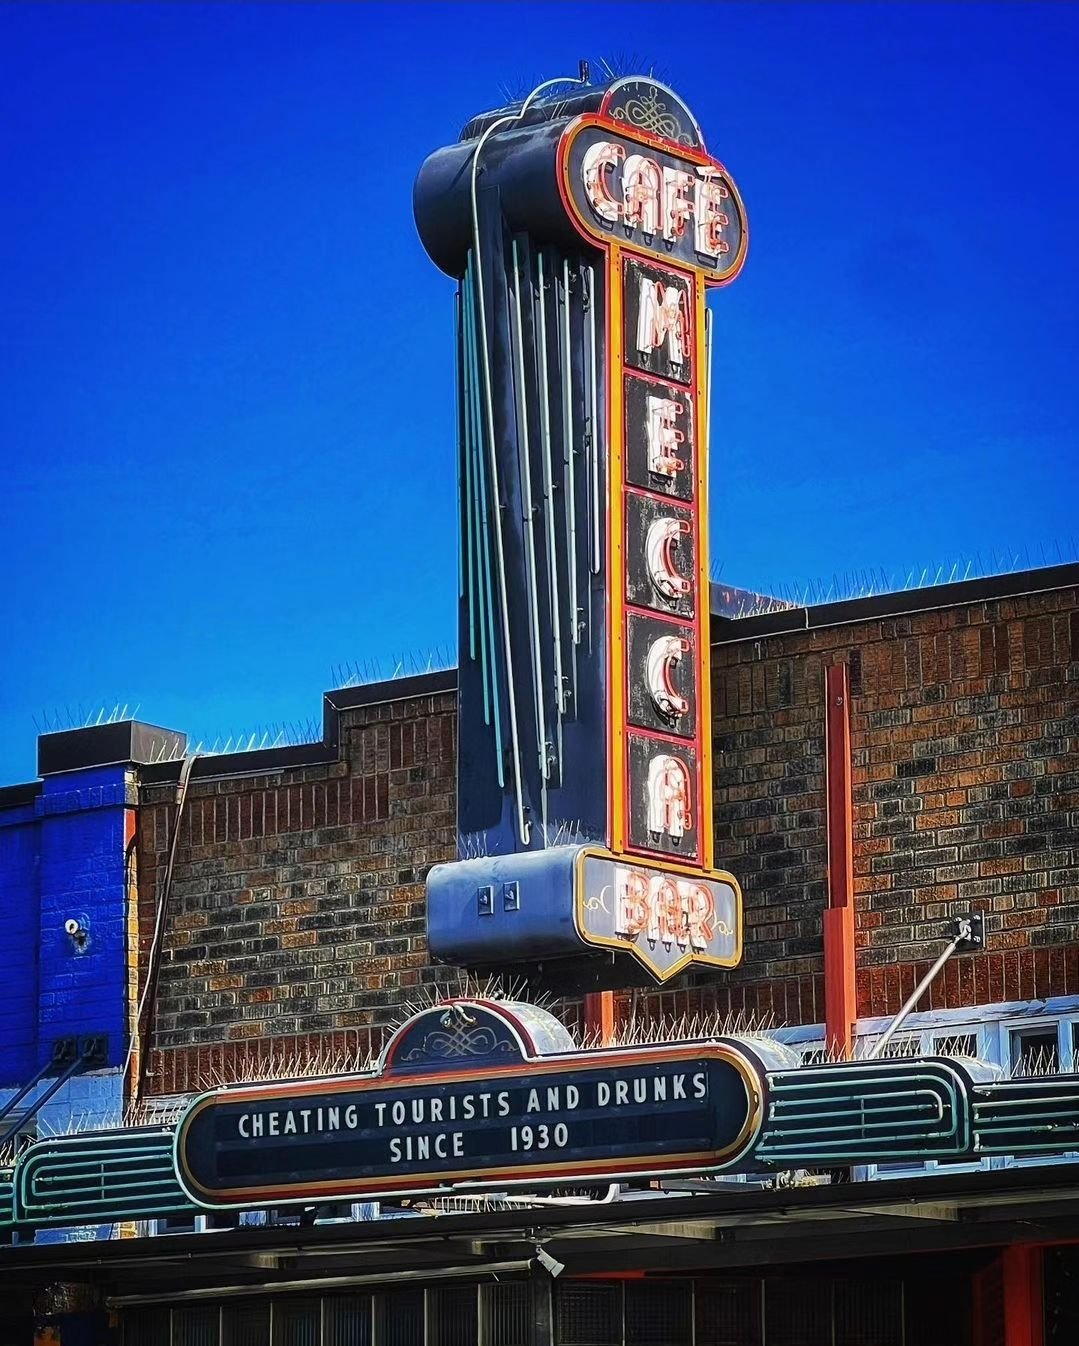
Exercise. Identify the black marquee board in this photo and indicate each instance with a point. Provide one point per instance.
(459, 1103)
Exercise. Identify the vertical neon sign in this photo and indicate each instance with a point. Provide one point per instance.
(671, 223)
(584, 231)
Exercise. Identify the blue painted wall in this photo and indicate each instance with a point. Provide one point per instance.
(19, 930)
(82, 876)
(63, 857)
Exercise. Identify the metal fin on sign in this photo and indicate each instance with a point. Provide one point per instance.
(528, 515)
(549, 501)
(483, 597)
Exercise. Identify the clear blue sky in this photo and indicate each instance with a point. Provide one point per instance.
(226, 399)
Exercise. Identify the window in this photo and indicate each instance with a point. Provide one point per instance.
(868, 1313)
(797, 1312)
(453, 1315)
(245, 1324)
(658, 1314)
(401, 1318)
(904, 1044)
(728, 1313)
(588, 1313)
(347, 1320)
(195, 1326)
(1035, 1051)
(297, 1322)
(956, 1044)
(21, 1132)
(1042, 1045)
(147, 1327)
(506, 1312)
(222, 1219)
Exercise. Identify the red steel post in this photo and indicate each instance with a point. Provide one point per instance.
(1024, 1314)
(840, 1003)
(599, 1018)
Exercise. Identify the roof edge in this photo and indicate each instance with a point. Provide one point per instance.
(729, 630)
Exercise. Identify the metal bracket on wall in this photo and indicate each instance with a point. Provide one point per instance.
(89, 1052)
(94, 1051)
(64, 1051)
(69, 1056)
(970, 931)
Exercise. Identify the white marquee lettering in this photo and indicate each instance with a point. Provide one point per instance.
(599, 159)
(641, 189)
(711, 215)
(663, 436)
(659, 199)
(674, 911)
(677, 205)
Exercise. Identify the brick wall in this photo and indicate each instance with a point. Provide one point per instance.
(297, 915)
(965, 745)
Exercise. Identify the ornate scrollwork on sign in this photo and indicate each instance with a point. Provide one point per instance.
(470, 1033)
(652, 108)
(456, 1041)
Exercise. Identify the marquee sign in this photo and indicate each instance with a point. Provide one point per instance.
(469, 1095)
(584, 230)
(474, 1095)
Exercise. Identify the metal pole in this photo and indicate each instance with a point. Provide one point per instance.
(965, 935)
